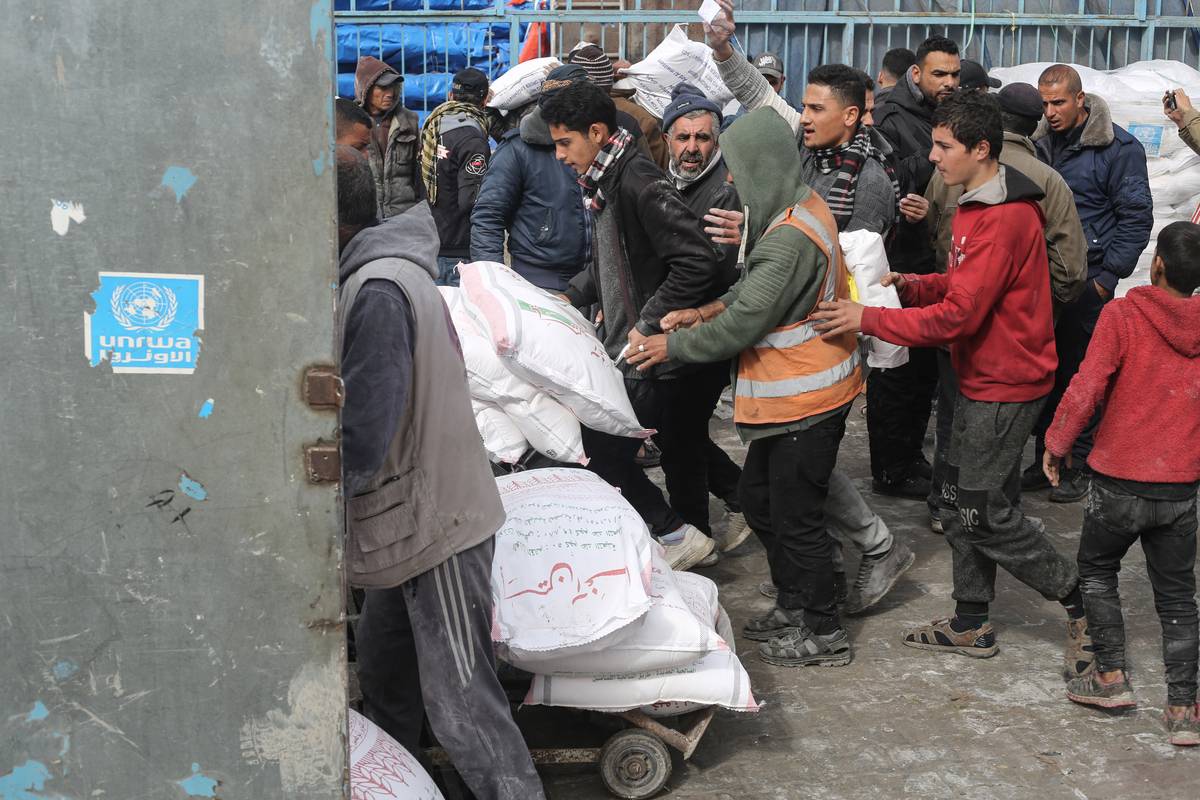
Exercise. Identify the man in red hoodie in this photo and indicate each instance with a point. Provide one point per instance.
(993, 308)
(1143, 368)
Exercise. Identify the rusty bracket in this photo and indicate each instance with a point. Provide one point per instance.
(322, 387)
(322, 463)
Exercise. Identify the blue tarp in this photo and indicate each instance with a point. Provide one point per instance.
(414, 5)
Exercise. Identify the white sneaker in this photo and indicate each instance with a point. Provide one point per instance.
(737, 530)
(689, 551)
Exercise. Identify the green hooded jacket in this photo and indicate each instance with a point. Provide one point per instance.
(784, 269)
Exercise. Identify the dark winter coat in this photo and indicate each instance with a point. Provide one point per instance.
(905, 118)
(536, 198)
(461, 164)
(1106, 170)
(713, 190)
(394, 147)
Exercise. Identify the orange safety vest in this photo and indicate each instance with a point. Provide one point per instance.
(792, 373)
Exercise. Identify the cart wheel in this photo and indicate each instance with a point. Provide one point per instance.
(634, 765)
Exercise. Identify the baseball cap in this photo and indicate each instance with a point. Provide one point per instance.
(974, 76)
(469, 81)
(388, 78)
(769, 64)
(1020, 99)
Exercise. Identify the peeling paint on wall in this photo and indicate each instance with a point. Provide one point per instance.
(301, 737)
(179, 180)
(193, 489)
(63, 213)
(64, 669)
(206, 409)
(39, 712)
(20, 783)
(199, 785)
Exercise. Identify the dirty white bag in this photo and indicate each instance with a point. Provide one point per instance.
(867, 263)
(549, 427)
(674, 708)
(716, 679)
(503, 440)
(571, 565)
(675, 60)
(545, 341)
(669, 635)
(380, 767)
(521, 83)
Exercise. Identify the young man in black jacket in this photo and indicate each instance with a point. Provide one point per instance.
(649, 257)
(454, 159)
(900, 400)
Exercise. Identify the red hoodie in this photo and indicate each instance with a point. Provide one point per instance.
(1142, 366)
(992, 305)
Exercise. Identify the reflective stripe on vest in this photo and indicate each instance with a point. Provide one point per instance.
(792, 373)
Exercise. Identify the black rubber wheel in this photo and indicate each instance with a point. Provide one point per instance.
(635, 765)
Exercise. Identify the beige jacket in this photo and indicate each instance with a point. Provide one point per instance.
(1189, 131)
(1066, 246)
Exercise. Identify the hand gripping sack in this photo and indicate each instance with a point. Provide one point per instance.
(669, 635)
(548, 343)
(549, 427)
(571, 565)
(520, 84)
(381, 769)
(867, 263)
(501, 438)
(676, 60)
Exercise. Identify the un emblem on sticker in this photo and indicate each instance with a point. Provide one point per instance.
(146, 322)
(144, 306)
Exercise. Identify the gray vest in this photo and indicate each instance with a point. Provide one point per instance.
(435, 495)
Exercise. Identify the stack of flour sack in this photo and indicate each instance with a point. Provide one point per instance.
(534, 367)
(585, 601)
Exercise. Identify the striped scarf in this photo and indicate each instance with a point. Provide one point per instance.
(429, 140)
(593, 198)
(848, 159)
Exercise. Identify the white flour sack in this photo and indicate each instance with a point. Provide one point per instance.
(504, 442)
(549, 427)
(542, 339)
(572, 563)
(521, 83)
(715, 679)
(381, 769)
(669, 635)
(867, 263)
(676, 60)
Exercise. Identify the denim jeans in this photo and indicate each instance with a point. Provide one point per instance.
(785, 485)
(1113, 520)
(985, 486)
(447, 274)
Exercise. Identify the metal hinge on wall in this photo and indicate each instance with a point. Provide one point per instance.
(323, 390)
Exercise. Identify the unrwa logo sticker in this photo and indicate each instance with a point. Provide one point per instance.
(146, 322)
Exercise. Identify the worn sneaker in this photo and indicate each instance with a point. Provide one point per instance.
(737, 530)
(689, 551)
(1033, 478)
(935, 523)
(775, 622)
(712, 559)
(938, 635)
(1079, 657)
(1090, 690)
(768, 589)
(1183, 725)
(877, 575)
(800, 647)
(1072, 486)
(910, 487)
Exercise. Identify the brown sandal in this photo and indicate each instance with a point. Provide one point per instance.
(938, 635)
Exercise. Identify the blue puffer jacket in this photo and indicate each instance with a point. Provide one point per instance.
(538, 200)
(1106, 170)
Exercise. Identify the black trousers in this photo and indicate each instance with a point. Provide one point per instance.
(425, 647)
(785, 482)
(1072, 334)
(899, 402)
(1113, 520)
(940, 490)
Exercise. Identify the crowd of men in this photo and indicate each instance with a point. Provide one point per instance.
(706, 251)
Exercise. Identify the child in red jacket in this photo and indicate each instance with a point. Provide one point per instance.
(992, 307)
(1143, 367)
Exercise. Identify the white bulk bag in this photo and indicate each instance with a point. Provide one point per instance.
(676, 60)
(521, 83)
(571, 564)
(502, 439)
(548, 343)
(867, 262)
(670, 634)
(381, 769)
(674, 708)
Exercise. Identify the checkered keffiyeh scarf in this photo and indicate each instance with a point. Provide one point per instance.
(593, 198)
(848, 159)
(429, 140)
